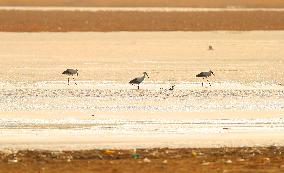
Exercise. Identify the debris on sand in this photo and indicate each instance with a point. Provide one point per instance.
(146, 160)
(135, 156)
(155, 153)
(14, 160)
(240, 160)
(7, 152)
(56, 154)
(205, 163)
(109, 152)
(69, 158)
(165, 162)
(224, 159)
(228, 161)
(194, 154)
(266, 159)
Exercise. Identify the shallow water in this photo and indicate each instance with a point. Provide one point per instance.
(113, 133)
(117, 96)
(131, 129)
(139, 127)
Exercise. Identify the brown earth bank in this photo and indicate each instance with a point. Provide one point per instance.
(213, 160)
(63, 21)
(148, 3)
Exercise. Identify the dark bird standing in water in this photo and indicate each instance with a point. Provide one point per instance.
(205, 75)
(138, 80)
(71, 72)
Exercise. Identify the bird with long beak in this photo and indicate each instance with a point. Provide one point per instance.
(138, 80)
(206, 74)
(71, 72)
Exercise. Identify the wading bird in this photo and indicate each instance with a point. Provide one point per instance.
(71, 72)
(138, 80)
(205, 75)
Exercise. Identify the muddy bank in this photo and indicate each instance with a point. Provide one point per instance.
(148, 3)
(254, 159)
(107, 21)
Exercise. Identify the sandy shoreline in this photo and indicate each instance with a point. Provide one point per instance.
(243, 107)
(238, 56)
(55, 140)
(234, 124)
(71, 130)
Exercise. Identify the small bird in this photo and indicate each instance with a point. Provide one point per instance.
(172, 87)
(205, 75)
(71, 72)
(210, 47)
(138, 80)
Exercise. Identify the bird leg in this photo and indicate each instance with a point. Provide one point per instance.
(68, 81)
(208, 82)
(138, 86)
(74, 81)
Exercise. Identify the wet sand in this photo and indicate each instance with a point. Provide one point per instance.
(168, 57)
(242, 107)
(65, 130)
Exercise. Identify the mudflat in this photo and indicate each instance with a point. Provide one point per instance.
(242, 107)
(102, 123)
(171, 57)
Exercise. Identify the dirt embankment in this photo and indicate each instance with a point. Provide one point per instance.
(233, 160)
(148, 3)
(63, 21)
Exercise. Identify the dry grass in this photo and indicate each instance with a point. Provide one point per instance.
(147, 3)
(34, 21)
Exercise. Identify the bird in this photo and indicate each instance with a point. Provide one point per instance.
(138, 80)
(71, 72)
(205, 75)
(210, 47)
(172, 87)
